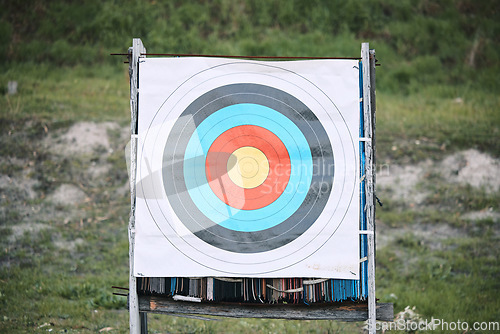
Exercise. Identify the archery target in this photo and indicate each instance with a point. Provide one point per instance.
(247, 168)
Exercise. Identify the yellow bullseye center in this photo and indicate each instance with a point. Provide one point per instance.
(248, 167)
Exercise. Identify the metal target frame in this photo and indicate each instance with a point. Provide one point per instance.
(138, 307)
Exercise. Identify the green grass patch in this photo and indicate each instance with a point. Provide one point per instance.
(435, 122)
(54, 97)
(437, 94)
(451, 285)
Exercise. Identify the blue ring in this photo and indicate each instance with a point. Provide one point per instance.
(218, 211)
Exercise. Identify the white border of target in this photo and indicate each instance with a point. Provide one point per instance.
(341, 207)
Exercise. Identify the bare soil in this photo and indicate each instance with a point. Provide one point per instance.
(91, 144)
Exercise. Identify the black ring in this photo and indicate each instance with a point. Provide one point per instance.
(289, 229)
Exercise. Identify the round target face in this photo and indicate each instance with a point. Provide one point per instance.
(245, 185)
(253, 168)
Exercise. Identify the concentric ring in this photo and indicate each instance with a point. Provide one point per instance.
(193, 200)
(219, 158)
(247, 167)
(265, 217)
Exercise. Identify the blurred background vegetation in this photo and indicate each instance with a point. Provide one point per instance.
(446, 49)
(419, 42)
(437, 94)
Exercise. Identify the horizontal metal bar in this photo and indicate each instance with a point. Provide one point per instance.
(231, 56)
(120, 294)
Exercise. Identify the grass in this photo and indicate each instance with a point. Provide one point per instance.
(453, 284)
(450, 277)
(70, 289)
(436, 121)
(62, 95)
(432, 100)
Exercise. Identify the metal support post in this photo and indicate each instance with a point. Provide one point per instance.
(134, 53)
(369, 184)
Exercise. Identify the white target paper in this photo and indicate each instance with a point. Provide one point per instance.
(247, 169)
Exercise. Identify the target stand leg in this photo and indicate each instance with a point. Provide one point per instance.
(144, 322)
(133, 55)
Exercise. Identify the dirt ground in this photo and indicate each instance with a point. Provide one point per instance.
(92, 143)
(85, 148)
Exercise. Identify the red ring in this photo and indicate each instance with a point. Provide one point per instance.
(233, 145)
(216, 167)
